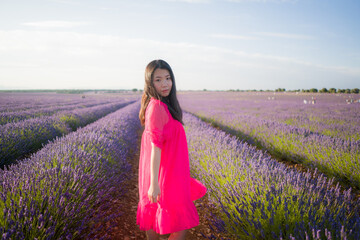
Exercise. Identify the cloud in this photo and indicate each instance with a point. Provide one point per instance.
(233, 37)
(55, 24)
(263, 34)
(55, 59)
(284, 35)
(235, 1)
(188, 1)
(68, 2)
(265, 1)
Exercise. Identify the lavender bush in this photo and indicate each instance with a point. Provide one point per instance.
(258, 198)
(15, 116)
(62, 191)
(24, 137)
(324, 135)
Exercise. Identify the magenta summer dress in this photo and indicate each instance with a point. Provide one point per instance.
(175, 210)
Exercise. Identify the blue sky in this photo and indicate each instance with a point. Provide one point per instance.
(211, 44)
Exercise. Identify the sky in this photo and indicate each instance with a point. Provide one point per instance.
(210, 44)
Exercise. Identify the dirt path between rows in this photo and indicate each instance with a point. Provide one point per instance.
(125, 225)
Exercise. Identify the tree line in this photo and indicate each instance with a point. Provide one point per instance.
(311, 90)
(323, 90)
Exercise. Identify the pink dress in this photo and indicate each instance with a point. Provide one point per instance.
(175, 210)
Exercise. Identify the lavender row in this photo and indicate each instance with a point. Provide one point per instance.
(255, 197)
(334, 156)
(63, 190)
(16, 116)
(21, 138)
(24, 101)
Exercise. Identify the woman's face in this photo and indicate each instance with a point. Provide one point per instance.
(162, 82)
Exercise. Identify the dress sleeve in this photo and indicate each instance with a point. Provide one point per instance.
(156, 118)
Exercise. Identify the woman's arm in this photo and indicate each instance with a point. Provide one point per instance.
(154, 189)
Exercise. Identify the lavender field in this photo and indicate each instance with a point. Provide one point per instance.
(29, 120)
(61, 191)
(64, 189)
(324, 133)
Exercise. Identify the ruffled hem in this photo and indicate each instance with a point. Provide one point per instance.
(166, 220)
(197, 189)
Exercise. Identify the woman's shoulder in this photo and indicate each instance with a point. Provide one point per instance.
(157, 105)
(156, 109)
(154, 101)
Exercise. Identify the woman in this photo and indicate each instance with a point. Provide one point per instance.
(166, 190)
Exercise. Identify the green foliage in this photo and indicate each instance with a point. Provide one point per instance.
(355, 90)
(324, 90)
(70, 120)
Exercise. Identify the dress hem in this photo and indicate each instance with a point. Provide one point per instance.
(164, 221)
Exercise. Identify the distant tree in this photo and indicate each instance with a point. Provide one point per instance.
(355, 90)
(134, 89)
(323, 90)
(204, 90)
(332, 90)
(280, 90)
(341, 90)
(313, 90)
(347, 90)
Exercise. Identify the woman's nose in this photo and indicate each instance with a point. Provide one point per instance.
(165, 83)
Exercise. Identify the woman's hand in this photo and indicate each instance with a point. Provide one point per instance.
(154, 193)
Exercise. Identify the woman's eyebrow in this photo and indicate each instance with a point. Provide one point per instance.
(160, 76)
